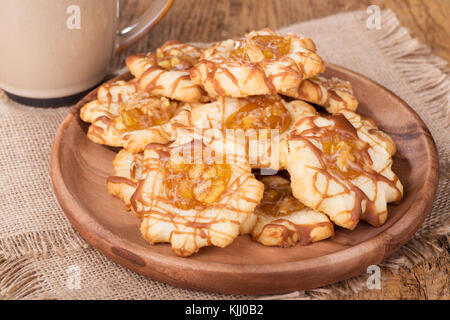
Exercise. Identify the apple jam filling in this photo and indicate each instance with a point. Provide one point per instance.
(144, 113)
(271, 46)
(262, 112)
(174, 59)
(194, 186)
(278, 200)
(345, 157)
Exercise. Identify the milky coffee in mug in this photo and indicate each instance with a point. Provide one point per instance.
(52, 50)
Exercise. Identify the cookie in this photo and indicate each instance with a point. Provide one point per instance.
(190, 201)
(341, 165)
(110, 97)
(131, 118)
(331, 93)
(263, 62)
(284, 221)
(166, 72)
(255, 127)
(128, 171)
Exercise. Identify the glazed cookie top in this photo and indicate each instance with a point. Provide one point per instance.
(263, 62)
(256, 128)
(341, 165)
(110, 97)
(193, 202)
(282, 220)
(125, 116)
(333, 94)
(166, 71)
(128, 171)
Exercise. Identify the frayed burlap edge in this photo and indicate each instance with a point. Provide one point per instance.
(18, 280)
(410, 58)
(41, 243)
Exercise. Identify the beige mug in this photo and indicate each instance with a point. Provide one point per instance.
(53, 50)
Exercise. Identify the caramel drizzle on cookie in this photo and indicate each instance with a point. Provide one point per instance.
(302, 230)
(361, 166)
(134, 178)
(188, 57)
(325, 92)
(271, 205)
(158, 206)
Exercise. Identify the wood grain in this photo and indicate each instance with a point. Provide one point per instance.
(206, 20)
(428, 280)
(79, 169)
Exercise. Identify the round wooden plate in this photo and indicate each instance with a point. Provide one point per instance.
(79, 169)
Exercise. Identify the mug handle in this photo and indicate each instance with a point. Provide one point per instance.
(131, 34)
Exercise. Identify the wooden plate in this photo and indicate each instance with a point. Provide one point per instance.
(79, 169)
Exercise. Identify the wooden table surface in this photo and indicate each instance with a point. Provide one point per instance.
(212, 20)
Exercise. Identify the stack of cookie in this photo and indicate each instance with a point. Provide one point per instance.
(201, 128)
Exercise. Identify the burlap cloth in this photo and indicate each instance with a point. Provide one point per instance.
(40, 252)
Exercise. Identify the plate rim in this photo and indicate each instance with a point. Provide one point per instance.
(134, 257)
